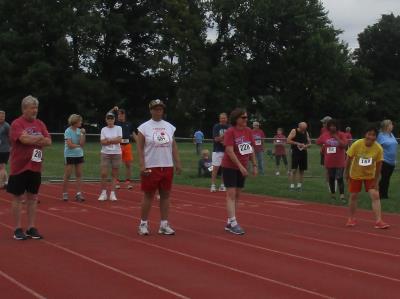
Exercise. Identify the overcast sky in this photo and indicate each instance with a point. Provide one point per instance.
(353, 16)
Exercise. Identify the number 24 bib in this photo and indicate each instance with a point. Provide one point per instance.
(245, 149)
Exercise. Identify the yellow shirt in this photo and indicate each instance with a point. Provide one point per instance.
(363, 166)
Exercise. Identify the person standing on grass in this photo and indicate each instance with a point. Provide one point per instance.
(75, 138)
(389, 144)
(259, 136)
(28, 137)
(128, 135)
(110, 139)
(363, 166)
(300, 141)
(348, 136)
(4, 149)
(280, 150)
(198, 139)
(158, 154)
(218, 150)
(239, 149)
(334, 144)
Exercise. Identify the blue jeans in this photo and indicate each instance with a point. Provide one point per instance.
(260, 162)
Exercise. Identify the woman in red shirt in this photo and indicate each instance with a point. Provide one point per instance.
(239, 148)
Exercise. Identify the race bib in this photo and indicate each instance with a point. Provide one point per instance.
(37, 155)
(210, 169)
(258, 142)
(245, 149)
(161, 138)
(365, 162)
(125, 140)
(331, 150)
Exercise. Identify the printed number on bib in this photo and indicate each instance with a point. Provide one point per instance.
(365, 162)
(37, 155)
(258, 142)
(161, 138)
(331, 150)
(245, 149)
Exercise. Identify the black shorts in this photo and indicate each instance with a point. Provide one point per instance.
(4, 157)
(300, 160)
(233, 178)
(27, 181)
(74, 160)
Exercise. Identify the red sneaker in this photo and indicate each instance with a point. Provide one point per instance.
(351, 222)
(381, 225)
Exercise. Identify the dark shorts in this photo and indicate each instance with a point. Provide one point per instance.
(233, 178)
(279, 158)
(27, 181)
(336, 173)
(300, 160)
(74, 160)
(4, 157)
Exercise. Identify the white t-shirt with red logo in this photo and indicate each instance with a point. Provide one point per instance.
(159, 137)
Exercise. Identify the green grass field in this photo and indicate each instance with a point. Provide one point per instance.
(315, 188)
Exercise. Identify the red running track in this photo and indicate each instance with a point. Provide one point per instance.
(291, 249)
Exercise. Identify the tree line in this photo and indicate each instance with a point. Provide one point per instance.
(282, 60)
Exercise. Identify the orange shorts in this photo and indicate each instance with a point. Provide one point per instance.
(355, 186)
(160, 178)
(127, 152)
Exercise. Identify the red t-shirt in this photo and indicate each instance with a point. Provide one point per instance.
(334, 154)
(348, 136)
(280, 141)
(242, 142)
(258, 136)
(22, 156)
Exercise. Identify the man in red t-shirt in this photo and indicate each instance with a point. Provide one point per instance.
(28, 138)
(259, 136)
(334, 144)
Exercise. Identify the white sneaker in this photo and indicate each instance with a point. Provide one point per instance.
(277, 173)
(103, 196)
(117, 186)
(166, 230)
(112, 196)
(213, 188)
(143, 229)
(222, 188)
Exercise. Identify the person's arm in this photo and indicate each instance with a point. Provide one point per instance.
(114, 110)
(118, 139)
(349, 160)
(290, 138)
(216, 136)
(134, 136)
(343, 142)
(308, 141)
(140, 152)
(82, 140)
(231, 154)
(27, 139)
(175, 155)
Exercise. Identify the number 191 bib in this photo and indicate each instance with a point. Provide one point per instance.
(245, 149)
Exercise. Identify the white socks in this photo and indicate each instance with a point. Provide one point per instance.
(232, 221)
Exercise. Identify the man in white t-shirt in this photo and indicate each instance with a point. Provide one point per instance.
(110, 139)
(158, 154)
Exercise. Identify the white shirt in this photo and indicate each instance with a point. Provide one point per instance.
(159, 137)
(110, 133)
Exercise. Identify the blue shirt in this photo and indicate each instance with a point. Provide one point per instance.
(389, 144)
(75, 137)
(198, 136)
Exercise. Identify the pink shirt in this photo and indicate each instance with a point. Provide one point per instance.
(25, 157)
(334, 154)
(240, 140)
(258, 136)
(280, 141)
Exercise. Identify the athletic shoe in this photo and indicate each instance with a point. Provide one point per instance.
(237, 230)
(117, 186)
(292, 188)
(381, 225)
(299, 189)
(130, 186)
(213, 188)
(79, 197)
(166, 230)
(343, 199)
(351, 222)
(222, 188)
(143, 229)
(112, 196)
(33, 233)
(19, 235)
(277, 173)
(103, 196)
(65, 196)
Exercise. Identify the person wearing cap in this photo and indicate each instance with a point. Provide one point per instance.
(110, 139)
(158, 155)
(259, 136)
(128, 135)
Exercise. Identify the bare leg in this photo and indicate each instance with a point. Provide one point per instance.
(31, 204)
(292, 177)
(78, 175)
(114, 178)
(128, 170)
(376, 204)
(164, 204)
(146, 205)
(301, 176)
(67, 176)
(103, 174)
(16, 210)
(353, 204)
(3, 175)
(231, 202)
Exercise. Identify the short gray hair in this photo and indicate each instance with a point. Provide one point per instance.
(385, 124)
(2, 112)
(29, 100)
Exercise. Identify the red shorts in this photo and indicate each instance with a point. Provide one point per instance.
(160, 178)
(355, 186)
(126, 152)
